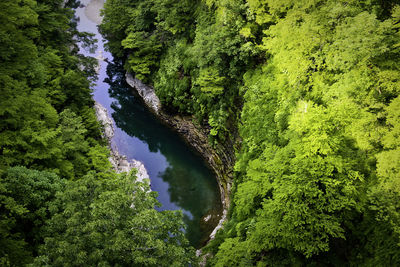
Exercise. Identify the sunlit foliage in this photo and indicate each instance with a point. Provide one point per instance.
(313, 89)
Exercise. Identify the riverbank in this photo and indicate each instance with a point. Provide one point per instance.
(180, 177)
(119, 162)
(220, 159)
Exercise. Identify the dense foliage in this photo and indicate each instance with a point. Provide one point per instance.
(313, 88)
(46, 116)
(60, 202)
(25, 198)
(108, 220)
(194, 59)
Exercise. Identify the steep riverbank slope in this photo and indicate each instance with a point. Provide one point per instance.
(221, 158)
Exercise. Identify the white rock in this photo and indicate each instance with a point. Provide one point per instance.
(208, 217)
(141, 170)
(220, 225)
(145, 91)
(106, 121)
(119, 162)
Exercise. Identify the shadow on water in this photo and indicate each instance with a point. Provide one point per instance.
(191, 186)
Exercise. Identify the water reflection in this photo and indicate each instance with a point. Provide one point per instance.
(176, 173)
(181, 178)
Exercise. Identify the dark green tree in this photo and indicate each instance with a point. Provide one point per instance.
(26, 196)
(109, 220)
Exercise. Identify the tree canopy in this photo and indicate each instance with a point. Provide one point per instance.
(60, 201)
(110, 220)
(313, 89)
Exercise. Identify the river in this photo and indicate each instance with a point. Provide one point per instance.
(180, 176)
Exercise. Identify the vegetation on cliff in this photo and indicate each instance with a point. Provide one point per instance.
(60, 201)
(313, 89)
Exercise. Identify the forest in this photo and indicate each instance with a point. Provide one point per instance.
(61, 204)
(312, 89)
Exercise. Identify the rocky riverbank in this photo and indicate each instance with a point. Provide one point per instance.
(119, 162)
(220, 159)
